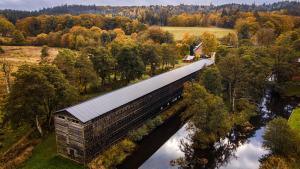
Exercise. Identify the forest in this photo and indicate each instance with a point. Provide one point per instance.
(101, 52)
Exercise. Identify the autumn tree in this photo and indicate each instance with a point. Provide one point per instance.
(44, 54)
(37, 92)
(246, 27)
(265, 36)
(18, 38)
(209, 43)
(230, 39)
(6, 27)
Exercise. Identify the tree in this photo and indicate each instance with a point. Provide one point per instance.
(232, 71)
(37, 92)
(209, 43)
(265, 36)
(230, 39)
(103, 62)
(168, 54)
(246, 27)
(44, 54)
(212, 80)
(130, 64)
(281, 139)
(65, 62)
(208, 115)
(6, 27)
(150, 55)
(18, 38)
(273, 162)
(85, 73)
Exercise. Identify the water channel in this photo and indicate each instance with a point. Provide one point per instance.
(237, 151)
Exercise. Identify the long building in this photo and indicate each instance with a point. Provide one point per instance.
(86, 129)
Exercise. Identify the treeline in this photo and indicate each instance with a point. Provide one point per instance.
(153, 14)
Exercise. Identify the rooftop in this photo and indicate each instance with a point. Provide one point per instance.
(97, 106)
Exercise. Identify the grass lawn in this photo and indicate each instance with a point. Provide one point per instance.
(180, 31)
(44, 157)
(294, 120)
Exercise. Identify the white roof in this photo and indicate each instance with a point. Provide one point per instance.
(95, 107)
(188, 58)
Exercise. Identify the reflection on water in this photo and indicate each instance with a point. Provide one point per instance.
(238, 151)
(247, 155)
(167, 152)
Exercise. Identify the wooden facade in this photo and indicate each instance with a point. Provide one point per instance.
(82, 141)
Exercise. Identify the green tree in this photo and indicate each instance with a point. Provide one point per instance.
(149, 53)
(85, 73)
(265, 36)
(208, 115)
(103, 62)
(37, 92)
(232, 71)
(168, 54)
(65, 62)
(281, 139)
(130, 64)
(212, 80)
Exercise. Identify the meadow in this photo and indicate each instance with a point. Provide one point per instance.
(180, 31)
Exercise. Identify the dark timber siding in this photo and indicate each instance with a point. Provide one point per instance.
(81, 142)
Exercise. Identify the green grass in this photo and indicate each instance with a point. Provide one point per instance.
(180, 31)
(294, 120)
(45, 157)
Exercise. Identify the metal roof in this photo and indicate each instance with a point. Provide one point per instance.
(97, 106)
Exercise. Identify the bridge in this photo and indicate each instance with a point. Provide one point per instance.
(86, 129)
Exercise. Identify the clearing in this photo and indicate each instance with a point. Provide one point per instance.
(294, 120)
(180, 31)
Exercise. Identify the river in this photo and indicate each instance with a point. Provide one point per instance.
(236, 151)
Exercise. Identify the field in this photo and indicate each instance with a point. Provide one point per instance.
(294, 120)
(18, 55)
(44, 156)
(180, 31)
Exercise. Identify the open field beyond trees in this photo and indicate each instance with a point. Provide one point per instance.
(180, 31)
(294, 120)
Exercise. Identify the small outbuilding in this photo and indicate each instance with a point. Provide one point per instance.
(188, 58)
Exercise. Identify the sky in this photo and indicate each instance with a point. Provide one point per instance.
(39, 4)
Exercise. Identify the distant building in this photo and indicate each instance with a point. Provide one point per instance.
(298, 60)
(188, 58)
(198, 50)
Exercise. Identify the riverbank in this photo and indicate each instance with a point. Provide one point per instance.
(117, 153)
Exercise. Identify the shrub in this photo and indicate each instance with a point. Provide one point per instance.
(1, 50)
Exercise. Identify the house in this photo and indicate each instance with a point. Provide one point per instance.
(188, 58)
(198, 50)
